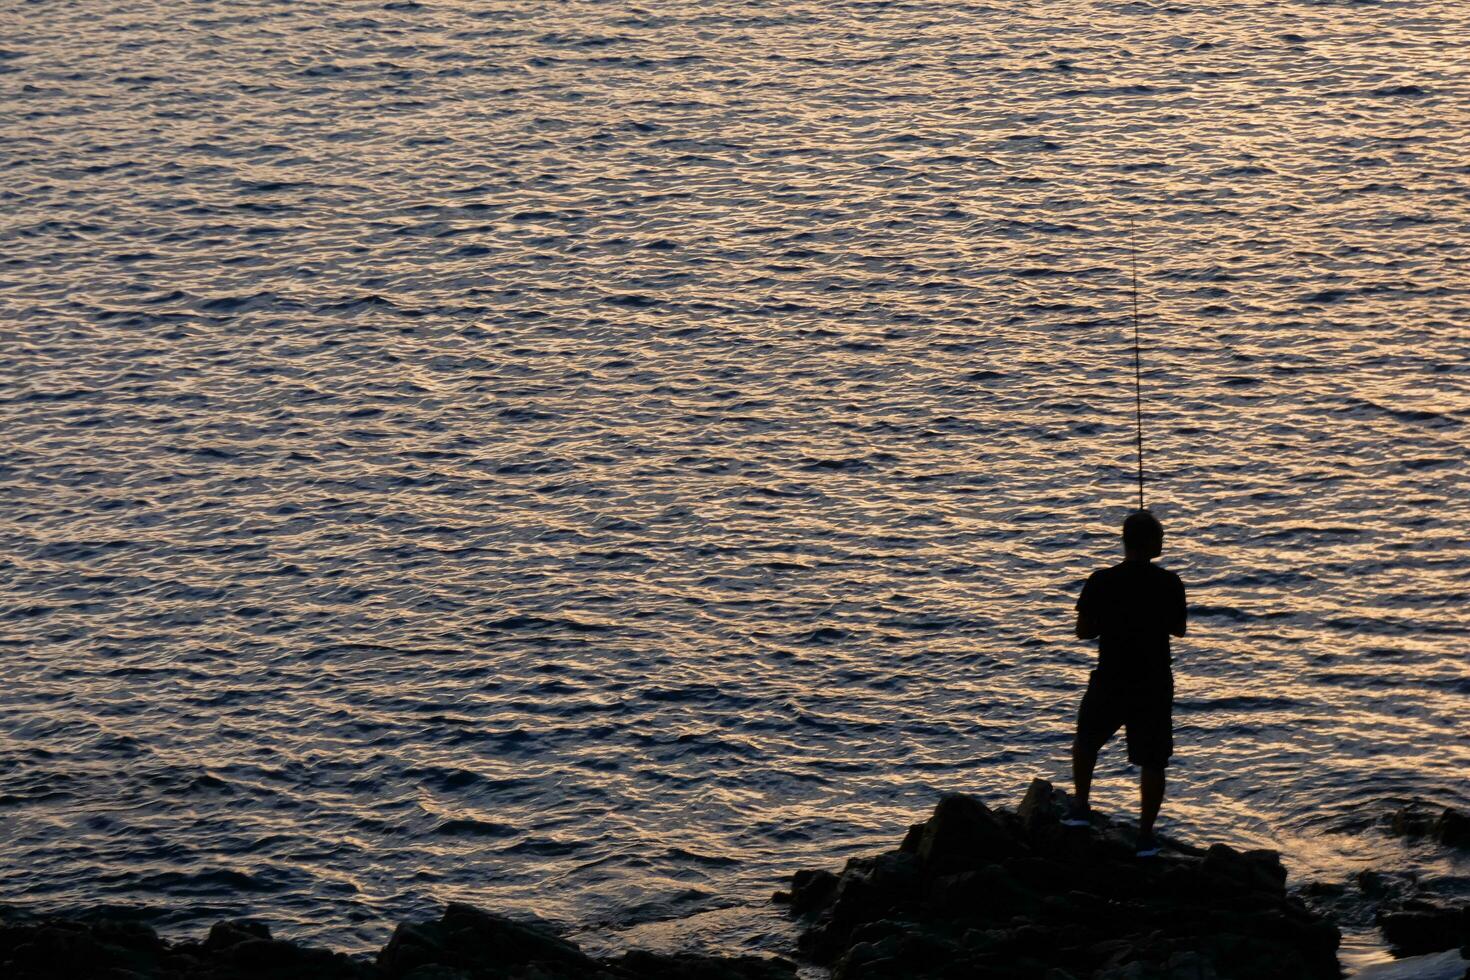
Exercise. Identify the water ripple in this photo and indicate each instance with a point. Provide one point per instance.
(593, 460)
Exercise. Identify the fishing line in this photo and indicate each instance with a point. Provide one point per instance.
(1137, 360)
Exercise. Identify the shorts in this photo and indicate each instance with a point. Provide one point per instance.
(1144, 710)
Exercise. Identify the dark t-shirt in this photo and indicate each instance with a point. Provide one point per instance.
(1135, 605)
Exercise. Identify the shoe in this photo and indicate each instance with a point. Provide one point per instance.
(1078, 816)
(1148, 846)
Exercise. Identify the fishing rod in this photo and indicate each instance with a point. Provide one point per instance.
(1137, 360)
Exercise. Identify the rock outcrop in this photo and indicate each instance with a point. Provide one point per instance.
(1415, 926)
(972, 893)
(52, 947)
(1446, 825)
(463, 944)
(1418, 917)
(469, 944)
(986, 894)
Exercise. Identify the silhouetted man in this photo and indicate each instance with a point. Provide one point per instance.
(1131, 608)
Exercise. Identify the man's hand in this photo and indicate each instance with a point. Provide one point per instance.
(1086, 628)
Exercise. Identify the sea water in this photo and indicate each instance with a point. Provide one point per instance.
(591, 459)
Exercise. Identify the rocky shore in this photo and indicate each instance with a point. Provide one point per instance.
(465, 943)
(973, 893)
(1016, 895)
(1449, 827)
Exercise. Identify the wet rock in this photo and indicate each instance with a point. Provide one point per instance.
(1325, 889)
(1384, 884)
(1410, 822)
(1418, 927)
(962, 835)
(812, 890)
(468, 939)
(1418, 915)
(1043, 805)
(685, 966)
(1453, 828)
(282, 960)
(232, 932)
(465, 943)
(1446, 825)
(52, 947)
(1252, 869)
(989, 893)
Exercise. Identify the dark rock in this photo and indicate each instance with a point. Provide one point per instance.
(976, 892)
(231, 932)
(897, 872)
(1190, 966)
(1423, 927)
(1448, 825)
(811, 890)
(1410, 822)
(861, 957)
(858, 899)
(1324, 889)
(1251, 869)
(133, 936)
(1042, 806)
(991, 891)
(465, 943)
(686, 966)
(1453, 828)
(962, 835)
(466, 938)
(280, 959)
(55, 947)
(1383, 884)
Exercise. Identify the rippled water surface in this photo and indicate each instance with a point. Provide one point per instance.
(594, 458)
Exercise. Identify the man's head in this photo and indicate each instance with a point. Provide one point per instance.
(1143, 535)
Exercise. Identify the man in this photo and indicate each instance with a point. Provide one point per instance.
(1131, 609)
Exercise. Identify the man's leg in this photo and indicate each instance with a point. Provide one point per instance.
(1150, 796)
(1083, 762)
(1150, 729)
(1098, 717)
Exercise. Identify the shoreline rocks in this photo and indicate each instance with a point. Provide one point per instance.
(1445, 825)
(1015, 895)
(465, 943)
(972, 893)
(1414, 919)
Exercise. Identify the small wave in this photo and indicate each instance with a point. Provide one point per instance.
(546, 847)
(219, 881)
(837, 465)
(246, 302)
(823, 636)
(466, 827)
(208, 783)
(1238, 703)
(709, 860)
(1209, 611)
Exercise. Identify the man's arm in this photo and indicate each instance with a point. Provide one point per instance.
(1181, 614)
(1088, 627)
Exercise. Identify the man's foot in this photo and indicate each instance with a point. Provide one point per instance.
(1148, 845)
(1078, 816)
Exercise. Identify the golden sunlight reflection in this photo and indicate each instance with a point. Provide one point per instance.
(598, 459)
